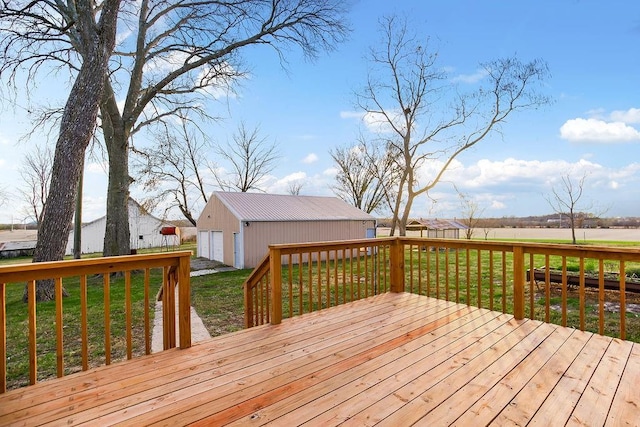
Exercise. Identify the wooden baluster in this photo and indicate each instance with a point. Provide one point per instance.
(127, 313)
(582, 293)
(3, 338)
(59, 329)
(147, 314)
(601, 297)
(84, 322)
(107, 317)
(33, 350)
(623, 302)
(491, 280)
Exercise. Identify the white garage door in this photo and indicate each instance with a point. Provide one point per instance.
(217, 248)
(203, 244)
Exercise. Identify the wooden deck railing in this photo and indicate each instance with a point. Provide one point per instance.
(501, 276)
(92, 285)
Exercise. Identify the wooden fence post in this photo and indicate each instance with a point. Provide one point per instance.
(275, 266)
(396, 261)
(184, 301)
(518, 282)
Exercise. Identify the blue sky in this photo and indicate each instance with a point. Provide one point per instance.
(592, 126)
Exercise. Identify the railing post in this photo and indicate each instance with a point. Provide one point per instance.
(184, 301)
(396, 261)
(275, 266)
(518, 282)
(3, 339)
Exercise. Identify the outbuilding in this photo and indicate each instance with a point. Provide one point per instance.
(437, 228)
(146, 231)
(237, 228)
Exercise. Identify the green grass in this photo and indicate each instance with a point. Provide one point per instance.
(18, 326)
(218, 299)
(46, 340)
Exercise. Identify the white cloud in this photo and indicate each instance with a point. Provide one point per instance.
(351, 115)
(632, 115)
(594, 130)
(330, 172)
(97, 167)
(376, 122)
(310, 158)
(471, 78)
(519, 186)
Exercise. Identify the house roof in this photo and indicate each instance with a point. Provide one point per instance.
(276, 207)
(436, 224)
(130, 202)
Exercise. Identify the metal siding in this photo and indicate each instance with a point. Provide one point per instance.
(255, 238)
(216, 217)
(259, 235)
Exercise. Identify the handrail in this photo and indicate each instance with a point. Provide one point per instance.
(258, 278)
(104, 276)
(488, 274)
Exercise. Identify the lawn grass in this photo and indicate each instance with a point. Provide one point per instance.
(46, 341)
(18, 326)
(218, 300)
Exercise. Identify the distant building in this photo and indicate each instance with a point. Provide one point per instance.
(237, 228)
(144, 228)
(437, 228)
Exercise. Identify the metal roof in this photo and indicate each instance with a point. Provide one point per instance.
(276, 207)
(436, 224)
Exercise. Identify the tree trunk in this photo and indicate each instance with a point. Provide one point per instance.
(77, 223)
(117, 235)
(76, 128)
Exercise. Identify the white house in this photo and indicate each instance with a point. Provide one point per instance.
(144, 228)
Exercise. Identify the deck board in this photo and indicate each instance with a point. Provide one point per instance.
(393, 359)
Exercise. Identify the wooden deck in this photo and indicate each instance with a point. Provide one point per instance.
(394, 359)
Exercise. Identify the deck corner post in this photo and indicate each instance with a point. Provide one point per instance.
(184, 301)
(275, 267)
(518, 282)
(396, 260)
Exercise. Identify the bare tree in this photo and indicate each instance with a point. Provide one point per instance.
(251, 158)
(172, 170)
(566, 199)
(36, 175)
(21, 41)
(294, 187)
(180, 54)
(366, 175)
(186, 53)
(4, 196)
(471, 212)
(406, 93)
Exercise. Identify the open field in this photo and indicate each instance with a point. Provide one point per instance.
(18, 235)
(582, 234)
(549, 234)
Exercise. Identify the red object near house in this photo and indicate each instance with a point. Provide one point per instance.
(168, 231)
